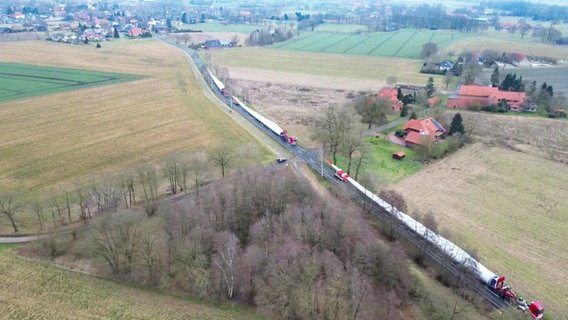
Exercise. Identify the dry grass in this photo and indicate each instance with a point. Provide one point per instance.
(500, 41)
(341, 68)
(58, 140)
(508, 206)
(295, 107)
(31, 290)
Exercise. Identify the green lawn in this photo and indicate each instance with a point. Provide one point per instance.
(18, 81)
(382, 164)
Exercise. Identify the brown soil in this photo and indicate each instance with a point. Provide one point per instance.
(294, 107)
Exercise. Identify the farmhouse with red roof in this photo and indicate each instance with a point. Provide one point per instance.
(469, 95)
(422, 132)
(391, 95)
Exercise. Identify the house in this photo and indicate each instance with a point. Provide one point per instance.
(422, 132)
(446, 65)
(134, 32)
(469, 95)
(391, 95)
(434, 101)
(212, 44)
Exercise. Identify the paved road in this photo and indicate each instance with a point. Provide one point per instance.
(36, 237)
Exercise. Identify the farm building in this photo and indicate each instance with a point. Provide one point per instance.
(468, 95)
(422, 132)
(212, 44)
(391, 95)
(399, 155)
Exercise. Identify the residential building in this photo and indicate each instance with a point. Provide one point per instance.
(470, 95)
(422, 132)
(391, 95)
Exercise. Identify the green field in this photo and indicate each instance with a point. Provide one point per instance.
(405, 43)
(18, 81)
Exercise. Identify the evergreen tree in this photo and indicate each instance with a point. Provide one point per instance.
(116, 35)
(399, 94)
(430, 89)
(404, 110)
(184, 17)
(413, 115)
(495, 77)
(457, 125)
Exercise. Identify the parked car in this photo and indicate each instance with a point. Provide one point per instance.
(281, 159)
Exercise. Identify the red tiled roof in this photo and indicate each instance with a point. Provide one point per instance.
(428, 126)
(484, 96)
(390, 94)
(477, 91)
(417, 138)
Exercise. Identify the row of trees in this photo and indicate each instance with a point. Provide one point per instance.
(265, 38)
(141, 186)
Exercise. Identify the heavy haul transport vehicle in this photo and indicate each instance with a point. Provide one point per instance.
(492, 281)
(283, 134)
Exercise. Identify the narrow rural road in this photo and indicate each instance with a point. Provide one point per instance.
(36, 237)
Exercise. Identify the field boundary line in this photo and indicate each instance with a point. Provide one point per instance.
(405, 43)
(381, 43)
(336, 42)
(327, 36)
(356, 44)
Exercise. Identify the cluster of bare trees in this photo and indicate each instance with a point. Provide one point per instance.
(260, 238)
(337, 133)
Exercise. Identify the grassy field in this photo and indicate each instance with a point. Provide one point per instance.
(30, 290)
(72, 137)
(18, 81)
(297, 63)
(508, 206)
(382, 164)
(406, 43)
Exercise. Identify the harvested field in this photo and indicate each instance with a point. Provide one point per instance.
(508, 207)
(293, 107)
(30, 290)
(503, 42)
(336, 66)
(71, 137)
(542, 137)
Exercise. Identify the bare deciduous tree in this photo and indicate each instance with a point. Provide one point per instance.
(227, 252)
(199, 169)
(37, 207)
(222, 157)
(391, 81)
(149, 183)
(116, 242)
(9, 207)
